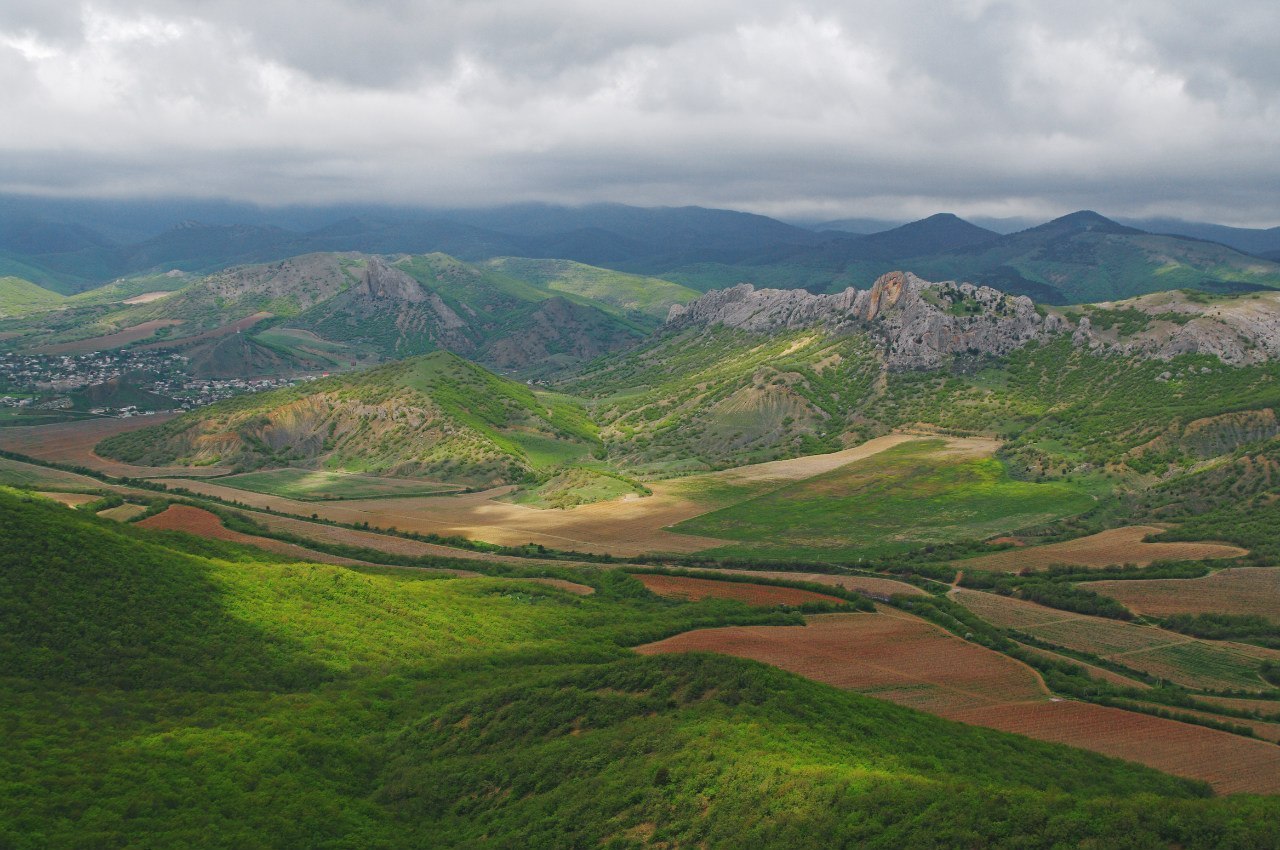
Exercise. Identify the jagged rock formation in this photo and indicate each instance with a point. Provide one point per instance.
(1238, 331)
(918, 323)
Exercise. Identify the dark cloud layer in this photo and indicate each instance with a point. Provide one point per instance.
(804, 108)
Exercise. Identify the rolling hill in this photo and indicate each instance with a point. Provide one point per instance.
(326, 311)
(18, 296)
(437, 416)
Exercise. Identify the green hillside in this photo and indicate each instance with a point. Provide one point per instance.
(641, 299)
(901, 499)
(18, 296)
(436, 416)
(168, 692)
(713, 397)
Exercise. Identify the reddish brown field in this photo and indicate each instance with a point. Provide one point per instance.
(1229, 763)
(897, 657)
(682, 587)
(105, 343)
(1114, 546)
(1265, 707)
(908, 661)
(73, 442)
(234, 327)
(204, 524)
(1242, 590)
(862, 584)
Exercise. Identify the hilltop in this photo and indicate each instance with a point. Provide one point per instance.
(437, 417)
(340, 310)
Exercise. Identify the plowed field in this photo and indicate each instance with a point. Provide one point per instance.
(1244, 590)
(108, 342)
(73, 442)
(1114, 546)
(204, 524)
(683, 587)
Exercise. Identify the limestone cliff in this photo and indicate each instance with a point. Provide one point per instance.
(918, 324)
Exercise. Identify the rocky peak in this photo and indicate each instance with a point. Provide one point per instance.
(387, 283)
(918, 323)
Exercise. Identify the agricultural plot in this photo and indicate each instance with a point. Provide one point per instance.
(71, 500)
(73, 443)
(1113, 546)
(15, 473)
(685, 587)
(1242, 590)
(895, 657)
(869, 585)
(1213, 665)
(908, 661)
(1229, 763)
(119, 339)
(913, 494)
(204, 524)
(123, 513)
(319, 485)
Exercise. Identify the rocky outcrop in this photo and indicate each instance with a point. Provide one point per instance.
(918, 324)
(1239, 331)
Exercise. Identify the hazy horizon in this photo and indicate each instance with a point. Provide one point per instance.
(812, 111)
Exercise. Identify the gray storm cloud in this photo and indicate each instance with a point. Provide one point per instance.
(999, 108)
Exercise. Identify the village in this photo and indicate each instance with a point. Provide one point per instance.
(116, 383)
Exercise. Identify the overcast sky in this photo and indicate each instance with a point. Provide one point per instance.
(824, 109)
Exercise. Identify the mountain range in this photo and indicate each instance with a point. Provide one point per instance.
(1080, 257)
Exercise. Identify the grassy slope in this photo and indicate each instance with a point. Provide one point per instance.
(633, 296)
(903, 498)
(443, 416)
(217, 698)
(18, 296)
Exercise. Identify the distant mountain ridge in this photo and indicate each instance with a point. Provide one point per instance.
(1076, 258)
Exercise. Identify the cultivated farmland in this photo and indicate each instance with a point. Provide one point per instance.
(908, 661)
(119, 339)
(1187, 661)
(685, 587)
(1243, 590)
(922, 492)
(1113, 546)
(320, 485)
